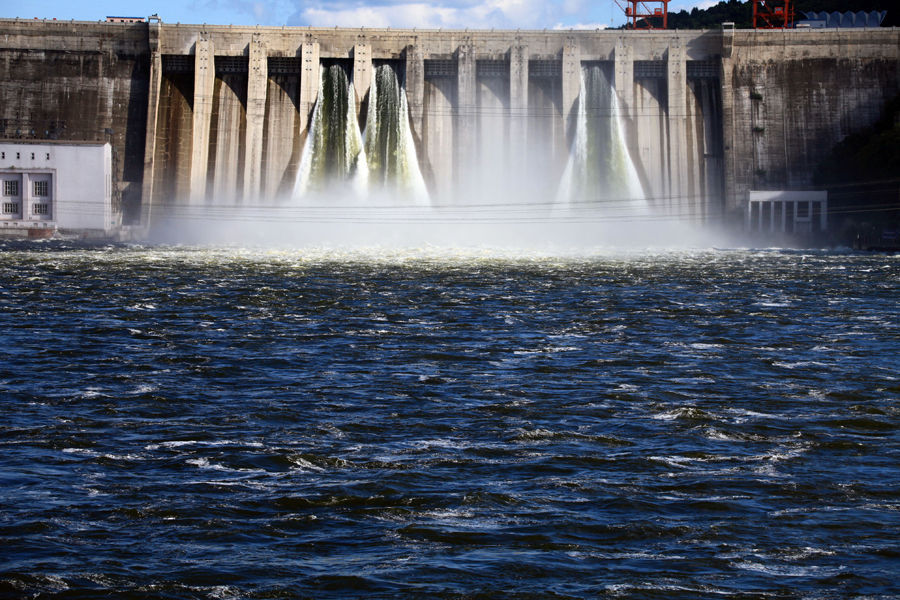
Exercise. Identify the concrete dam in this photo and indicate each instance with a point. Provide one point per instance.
(675, 123)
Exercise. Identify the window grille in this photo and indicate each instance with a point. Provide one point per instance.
(284, 65)
(10, 208)
(41, 188)
(40, 209)
(177, 63)
(544, 68)
(650, 69)
(231, 64)
(435, 69)
(492, 69)
(702, 69)
(10, 188)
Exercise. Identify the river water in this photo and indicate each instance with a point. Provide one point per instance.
(226, 423)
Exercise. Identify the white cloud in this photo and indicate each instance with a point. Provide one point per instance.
(406, 15)
(510, 14)
(584, 26)
(688, 6)
(447, 14)
(259, 11)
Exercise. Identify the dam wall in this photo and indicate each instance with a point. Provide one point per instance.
(200, 114)
(486, 109)
(74, 81)
(790, 96)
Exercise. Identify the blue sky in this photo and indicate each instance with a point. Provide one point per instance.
(474, 14)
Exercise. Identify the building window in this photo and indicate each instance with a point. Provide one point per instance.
(10, 188)
(32, 156)
(41, 188)
(2, 155)
(40, 209)
(18, 156)
(48, 156)
(10, 208)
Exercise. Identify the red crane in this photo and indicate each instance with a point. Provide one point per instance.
(645, 14)
(773, 14)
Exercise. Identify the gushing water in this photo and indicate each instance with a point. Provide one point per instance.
(600, 168)
(334, 151)
(353, 189)
(384, 160)
(390, 150)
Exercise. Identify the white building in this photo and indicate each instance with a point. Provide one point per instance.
(787, 211)
(56, 185)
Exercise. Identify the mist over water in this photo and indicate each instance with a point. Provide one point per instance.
(505, 230)
(362, 187)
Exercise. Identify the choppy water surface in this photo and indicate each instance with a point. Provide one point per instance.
(188, 423)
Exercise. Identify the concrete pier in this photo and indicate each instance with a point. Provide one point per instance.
(155, 81)
(680, 201)
(571, 81)
(518, 107)
(204, 85)
(624, 77)
(257, 87)
(466, 109)
(415, 91)
(362, 72)
(309, 83)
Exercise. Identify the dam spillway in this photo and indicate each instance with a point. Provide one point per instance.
(333, 152)
(600, 168)
(219, 114)
(487, 115)
(366, 152)
(392, 160)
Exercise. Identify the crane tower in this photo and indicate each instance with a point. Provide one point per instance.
(773, 14)
(645, 14)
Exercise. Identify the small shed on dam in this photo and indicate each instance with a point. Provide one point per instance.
(48, 186)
